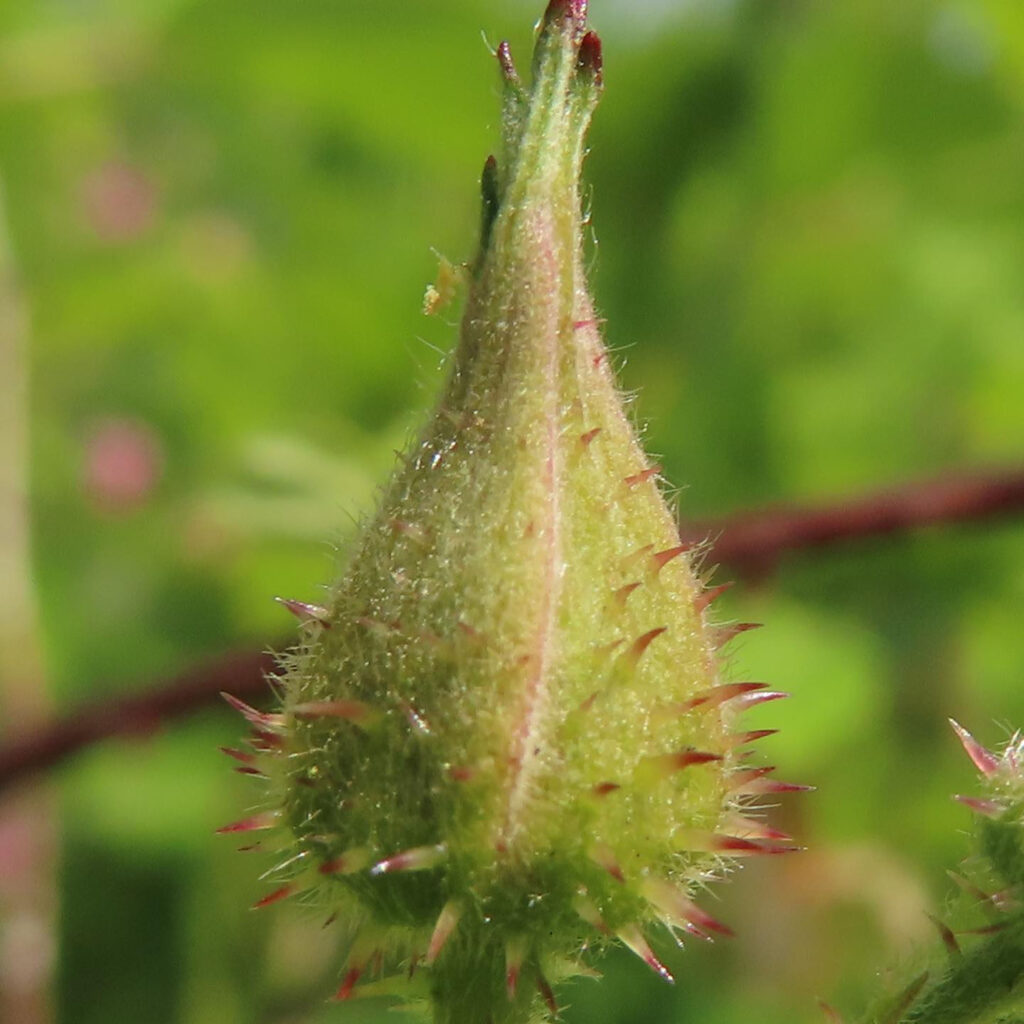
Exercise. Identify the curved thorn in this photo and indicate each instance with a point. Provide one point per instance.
(447, 922)
(348, 984)
(946, 934)
(278, 894)
(905, 1000)
(347, 863)
(418, 859)
(662, 766)
(679, 909)
(547, 994)
(642, 477)
(718, 695)
(306, 612)
(744, 776)
(661, 558)
(268, 819)
(706, 597)
(723, 634)
(587, 910)
(986, 808)
(749, 700)
(741, 739)
(603, 856)
(239, 755)
(752, 828)
(769, 787)
(641, 644)
(515, 955)
(738, 847)
(267, 742)
(635, 941)
(258, 719)
(621, 595)
(354, 711)
(984, 760)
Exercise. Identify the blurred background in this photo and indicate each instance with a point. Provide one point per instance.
(219, 217)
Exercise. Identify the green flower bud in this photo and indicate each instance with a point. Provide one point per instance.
(504, 738)
(977, 979)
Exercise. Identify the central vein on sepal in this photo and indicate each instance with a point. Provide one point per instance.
(523, 308)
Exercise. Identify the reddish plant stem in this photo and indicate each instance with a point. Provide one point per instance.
(137, 714)
(751, 543)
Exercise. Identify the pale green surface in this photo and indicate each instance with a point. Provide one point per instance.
(809, 220)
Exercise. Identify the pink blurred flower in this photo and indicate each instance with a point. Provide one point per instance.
(119, 202)
(123, 464)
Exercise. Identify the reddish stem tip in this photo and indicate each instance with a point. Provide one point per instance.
(591, 58)
(574, 10)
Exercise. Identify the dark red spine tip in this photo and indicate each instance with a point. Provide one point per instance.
(591, 58)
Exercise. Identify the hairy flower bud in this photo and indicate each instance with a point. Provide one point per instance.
(504, 737)
(976, 977)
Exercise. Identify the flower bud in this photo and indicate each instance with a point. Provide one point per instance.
(504, 737)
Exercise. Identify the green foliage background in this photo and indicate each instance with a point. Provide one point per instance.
(810, 220)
